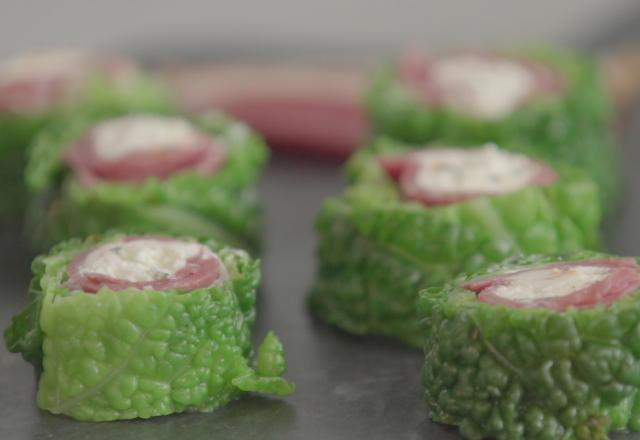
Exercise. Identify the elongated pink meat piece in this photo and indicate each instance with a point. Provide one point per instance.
(439, 176)
(136, 147)
(309, 109)
(580, 284)
(146, 263)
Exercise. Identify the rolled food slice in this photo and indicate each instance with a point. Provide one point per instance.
(551, 104)
(541, 347)
(37, 88)
(481, 84)
(150, 172)
(37, 82)
(137, 147)
(142, 326)
(440, 176)
(155, 263)
(416, 218)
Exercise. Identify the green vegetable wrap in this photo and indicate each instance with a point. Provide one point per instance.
(376, 250)
(571, 124)
(102, 92)
(530, 371)
(220, 202)
(125, 352)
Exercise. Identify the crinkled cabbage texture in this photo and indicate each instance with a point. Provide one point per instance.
(17, 131)
(513, 373)
(223, 206)
(376, 251)
(132, 353)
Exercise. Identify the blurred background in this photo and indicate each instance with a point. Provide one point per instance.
(157, 30)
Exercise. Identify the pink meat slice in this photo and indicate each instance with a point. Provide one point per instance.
(199, 273)
(204, 156)
(623, 279)
(404, 170)
(30, 96)
(316, 110)
(34, 95)
(415, 70)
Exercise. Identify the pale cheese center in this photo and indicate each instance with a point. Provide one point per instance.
(484, 87)
(119, 137)
(45, 64)
(486, 170)
(550, 282)
(142, 260)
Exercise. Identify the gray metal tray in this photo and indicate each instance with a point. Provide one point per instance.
(348, 387)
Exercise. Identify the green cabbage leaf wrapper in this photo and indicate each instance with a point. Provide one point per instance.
(515, 373)
(573, 127)
(223, 206)
(143, 353)
(376, 251)
(100, 98)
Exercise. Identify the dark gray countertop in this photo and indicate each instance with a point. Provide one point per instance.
(348, 387)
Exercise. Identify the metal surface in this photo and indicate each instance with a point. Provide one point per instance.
(348, 387)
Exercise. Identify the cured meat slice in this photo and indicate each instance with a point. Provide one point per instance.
(156, 263)
(136, 147)
(311, 109)
(441, 176)
(486, 85)
(581, 284)
(38, 81)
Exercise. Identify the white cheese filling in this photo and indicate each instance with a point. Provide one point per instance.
(142, 133)
(485, 170)
(142, 260)
(40, 65)
(481, 86)
(549, 282)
